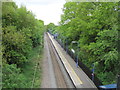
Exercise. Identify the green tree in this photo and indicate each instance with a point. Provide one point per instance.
(21, 33)
(95, 26)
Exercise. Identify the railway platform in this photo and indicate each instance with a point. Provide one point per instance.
(77, 75)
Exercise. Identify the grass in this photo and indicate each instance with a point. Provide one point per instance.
(29, 68)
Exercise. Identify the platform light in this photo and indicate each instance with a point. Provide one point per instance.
(73, 50)
(77, 53)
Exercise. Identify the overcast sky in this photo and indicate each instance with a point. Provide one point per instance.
(46, 10)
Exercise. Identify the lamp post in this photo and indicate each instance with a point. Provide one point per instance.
(66, 44)
(63, 41)
(60, 35)
(93, 71)
(73, 51)
(77, 52)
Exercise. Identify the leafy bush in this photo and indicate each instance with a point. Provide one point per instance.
(21, 33)
(12, 77)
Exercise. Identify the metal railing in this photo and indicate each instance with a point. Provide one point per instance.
(88, 72)
(118, 82)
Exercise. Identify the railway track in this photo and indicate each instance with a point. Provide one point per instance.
(59, 71)
(58, 77)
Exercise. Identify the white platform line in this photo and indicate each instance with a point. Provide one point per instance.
(76, 80)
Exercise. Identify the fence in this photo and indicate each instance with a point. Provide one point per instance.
(88, 72)
(118, 82)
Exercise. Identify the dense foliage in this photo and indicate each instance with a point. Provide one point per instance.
(94, 25)
(21, 33)
(51, 27)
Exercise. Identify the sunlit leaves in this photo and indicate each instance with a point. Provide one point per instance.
(21, 32)
(95, 26)
(12, 77)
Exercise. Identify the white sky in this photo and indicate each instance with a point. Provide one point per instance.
(46, 10)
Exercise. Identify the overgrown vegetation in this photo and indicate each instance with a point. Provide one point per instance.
(94, 25)
(22, 36)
